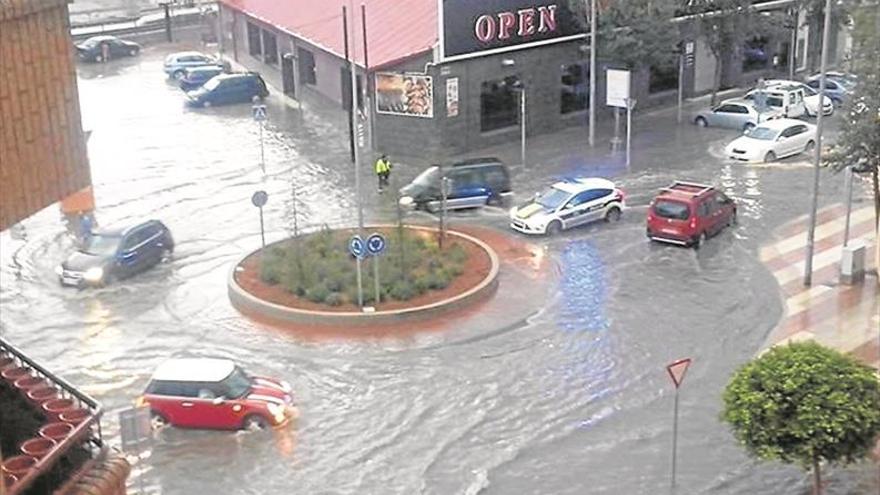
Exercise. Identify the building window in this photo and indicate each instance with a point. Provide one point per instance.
(755, 56)
(255, 48)
(499, 103)
(574, 92)
(270, 48)
(663, 78)
(306, 62)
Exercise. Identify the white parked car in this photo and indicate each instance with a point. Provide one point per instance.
(772, 140)
(567, 204)
(776, 87)
(177, 63)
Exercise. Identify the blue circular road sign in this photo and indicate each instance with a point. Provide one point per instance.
(375, 244)
(259, 199)
(356, 247)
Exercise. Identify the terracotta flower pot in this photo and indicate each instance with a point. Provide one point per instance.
(30, 383)
(37, 447)
(39, 395)
(19, 465)
(12, 373)
(54, 407)
(56, 431)
(75, 416)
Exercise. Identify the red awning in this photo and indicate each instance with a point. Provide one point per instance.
(396, 29)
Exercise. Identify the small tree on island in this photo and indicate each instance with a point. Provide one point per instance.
(804, 403)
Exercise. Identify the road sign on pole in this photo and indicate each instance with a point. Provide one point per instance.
(259, 111)
(677, 370)
(356, 247)
(375, 247)
(259, 200)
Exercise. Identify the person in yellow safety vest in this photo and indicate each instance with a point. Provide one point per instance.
(383, 171)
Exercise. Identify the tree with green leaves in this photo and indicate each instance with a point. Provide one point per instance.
(638, 33)
(859, 143)
(724, 25)
(804, 404)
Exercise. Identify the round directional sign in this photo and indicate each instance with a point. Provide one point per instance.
(260, 198)
(376, 244)
(357, 247)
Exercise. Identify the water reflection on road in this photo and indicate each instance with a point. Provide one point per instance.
(573, 399)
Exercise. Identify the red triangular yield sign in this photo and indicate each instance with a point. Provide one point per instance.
(677, 370)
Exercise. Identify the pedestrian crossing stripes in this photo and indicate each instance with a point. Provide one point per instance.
(844, 317)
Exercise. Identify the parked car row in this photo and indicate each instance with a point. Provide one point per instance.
(207, 81)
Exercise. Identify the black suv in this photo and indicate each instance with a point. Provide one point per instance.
(113, 254)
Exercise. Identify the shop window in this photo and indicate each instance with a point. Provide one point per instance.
(255, 48)
(499, 103)
(306, 62)
(755, 54)
(663, 78)
(575, 90)
(783, 56)
(270, 48)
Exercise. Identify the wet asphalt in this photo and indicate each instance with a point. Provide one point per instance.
(572, 397)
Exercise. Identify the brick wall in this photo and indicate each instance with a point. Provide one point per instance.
(42, 147)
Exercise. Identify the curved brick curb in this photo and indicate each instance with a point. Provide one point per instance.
(248, 304)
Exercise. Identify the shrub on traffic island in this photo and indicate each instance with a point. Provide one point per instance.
(319, 268)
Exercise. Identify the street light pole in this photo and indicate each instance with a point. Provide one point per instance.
(849, 188)
(680, 82)
(522, 111)
(817, 157)
(592, 109)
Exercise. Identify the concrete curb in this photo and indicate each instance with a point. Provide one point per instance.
(250, 305)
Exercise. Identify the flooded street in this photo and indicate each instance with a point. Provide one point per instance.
(572, 399)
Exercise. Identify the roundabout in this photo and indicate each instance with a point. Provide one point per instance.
(251, 295)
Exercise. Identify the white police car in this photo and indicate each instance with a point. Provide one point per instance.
(568, 204)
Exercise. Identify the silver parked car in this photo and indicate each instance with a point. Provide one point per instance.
(736, 113)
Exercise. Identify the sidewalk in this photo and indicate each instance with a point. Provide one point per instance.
(844, 317)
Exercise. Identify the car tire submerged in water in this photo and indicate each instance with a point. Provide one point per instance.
(612, 215)
(554, 228)
(770, 157)
(811, 145)
(701, 122)
(254, 422)
(700, 240)
(157, 421)
(749, 126)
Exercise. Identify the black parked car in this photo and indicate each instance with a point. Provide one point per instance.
(195, 77)
(92, 49)
(228, 88)
(116, 253)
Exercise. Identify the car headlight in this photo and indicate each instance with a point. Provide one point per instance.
(94, 274)
(59, 270)
(277, 411)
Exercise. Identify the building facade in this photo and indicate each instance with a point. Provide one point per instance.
(449, 77)
(42, 146)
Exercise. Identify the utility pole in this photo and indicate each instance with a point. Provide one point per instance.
(817, 157)
(522, 111)
(351, 143)
(680, 81)
(592, 109)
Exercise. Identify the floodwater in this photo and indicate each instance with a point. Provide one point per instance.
(571, 398)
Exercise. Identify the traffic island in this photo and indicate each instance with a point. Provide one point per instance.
(310, 280)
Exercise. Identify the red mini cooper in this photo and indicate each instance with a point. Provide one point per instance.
(687, 214)
(215, 393)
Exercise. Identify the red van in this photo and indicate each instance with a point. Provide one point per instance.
(215, 393)
(687, 214)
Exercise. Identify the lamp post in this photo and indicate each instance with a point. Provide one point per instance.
(817, 157)
(592, 109)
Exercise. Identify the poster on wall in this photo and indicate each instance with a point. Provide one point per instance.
(405, 94)
(452, 97)
(473, 28)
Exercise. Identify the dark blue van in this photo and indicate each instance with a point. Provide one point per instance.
(472, 183)
(228, 88)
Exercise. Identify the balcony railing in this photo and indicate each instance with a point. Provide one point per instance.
(71, 423)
